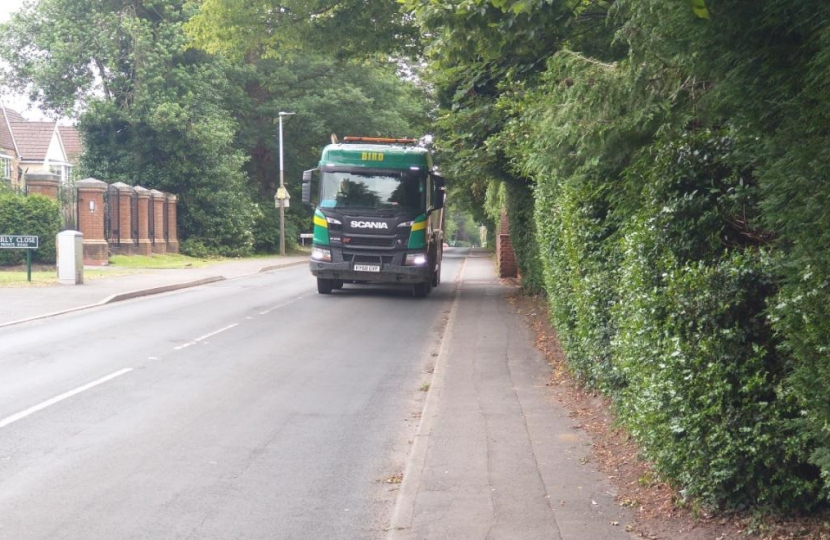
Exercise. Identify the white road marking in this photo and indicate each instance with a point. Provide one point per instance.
(57, 399)
(198, 339)
(269, 310)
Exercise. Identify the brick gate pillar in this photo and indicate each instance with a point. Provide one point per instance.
(43, 184)
(159, 200)
(172, 230)
(123, 244)
(145, 244)
(91, 221)
(504, 249)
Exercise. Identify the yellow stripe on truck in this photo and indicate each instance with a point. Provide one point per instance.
(419, 226)
(320, 221)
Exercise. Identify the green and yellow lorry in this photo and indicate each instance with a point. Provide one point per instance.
(378, 215)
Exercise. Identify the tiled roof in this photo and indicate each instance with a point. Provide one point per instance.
(71, 143)
(14, 116)
(6, 139)
(33, 139)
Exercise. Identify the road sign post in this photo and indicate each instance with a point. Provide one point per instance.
(21, 241)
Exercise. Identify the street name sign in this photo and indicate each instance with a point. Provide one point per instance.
(18, 241)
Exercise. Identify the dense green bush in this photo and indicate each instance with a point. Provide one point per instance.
(659, 273)
(520, 214)
(681, 213)
(36, 215)
(267, 230)
(578, 260)
(702, 365)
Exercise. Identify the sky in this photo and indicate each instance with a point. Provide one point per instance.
(15, 101)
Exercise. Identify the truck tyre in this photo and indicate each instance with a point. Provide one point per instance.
(324, 286)
(436, 275)
(420, 290)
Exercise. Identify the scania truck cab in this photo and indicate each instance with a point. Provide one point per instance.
(378, 216)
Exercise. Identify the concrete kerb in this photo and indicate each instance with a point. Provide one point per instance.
(159, 290)
(150, 291)
(278, 266)
(268, 269)
(404, 511)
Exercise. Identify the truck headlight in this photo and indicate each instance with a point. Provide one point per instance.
(321, 254)
(415, 259)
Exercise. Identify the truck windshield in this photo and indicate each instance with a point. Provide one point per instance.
(390, 191)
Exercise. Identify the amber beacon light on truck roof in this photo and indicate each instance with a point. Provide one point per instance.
(379, 140)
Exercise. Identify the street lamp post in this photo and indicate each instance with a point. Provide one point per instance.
(281, 200)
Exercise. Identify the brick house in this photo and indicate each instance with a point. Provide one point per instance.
(35, 147)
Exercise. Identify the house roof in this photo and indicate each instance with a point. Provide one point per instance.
(30, 141)
(13, 115)
(6, 138)
(71, 138)
(33, 139)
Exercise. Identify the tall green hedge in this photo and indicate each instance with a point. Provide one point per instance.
(519, 205)
(35, 215)
(679, 157)
(667, 287)
(702, 365)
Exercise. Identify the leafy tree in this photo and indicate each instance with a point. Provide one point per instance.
(481, 52)
(327, 97)
(151, 111)
(461, 228)
(339, 28)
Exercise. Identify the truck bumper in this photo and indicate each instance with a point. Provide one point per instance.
(389, 273)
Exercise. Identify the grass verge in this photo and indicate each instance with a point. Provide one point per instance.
(15, 277)
(166, 262)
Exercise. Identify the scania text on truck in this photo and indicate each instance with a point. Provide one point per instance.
(378, 216)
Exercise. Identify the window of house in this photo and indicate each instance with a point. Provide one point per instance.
(5, 167)
(61, 170)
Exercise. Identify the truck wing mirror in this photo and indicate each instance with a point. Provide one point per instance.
(439, 184)
(306, 191)
(440, 197)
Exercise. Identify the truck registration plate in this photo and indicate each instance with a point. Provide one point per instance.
(367, 268)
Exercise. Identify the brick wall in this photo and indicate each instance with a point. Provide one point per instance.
(43, 184)
(159, 200)
(145, 243)
(91, 213)
(173, 231)
(505, 255)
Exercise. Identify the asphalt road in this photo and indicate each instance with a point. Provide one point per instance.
(248, 409)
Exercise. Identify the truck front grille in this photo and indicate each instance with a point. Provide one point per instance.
(385, 242)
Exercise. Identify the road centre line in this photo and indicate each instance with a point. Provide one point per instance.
(198, 339)
(269, 310)
(57, 399)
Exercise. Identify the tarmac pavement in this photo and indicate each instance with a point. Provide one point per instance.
(495, 458)
(21, 304)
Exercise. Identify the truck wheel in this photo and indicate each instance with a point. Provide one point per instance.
(324, 286)
(436, 275)
(420, 290)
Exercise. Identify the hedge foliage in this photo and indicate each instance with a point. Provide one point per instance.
(677, 167)
(660, 274)
(35, 215)
(519, 204)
